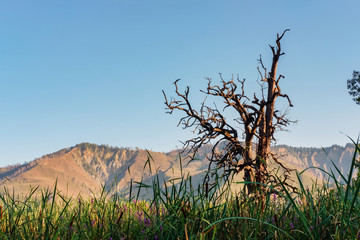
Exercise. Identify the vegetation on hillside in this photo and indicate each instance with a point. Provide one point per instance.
(184, 211)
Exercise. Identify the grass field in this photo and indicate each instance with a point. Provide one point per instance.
(182, 211)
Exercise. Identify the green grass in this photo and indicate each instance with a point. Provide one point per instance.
(183, 211)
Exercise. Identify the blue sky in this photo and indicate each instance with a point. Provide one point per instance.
(93, 71)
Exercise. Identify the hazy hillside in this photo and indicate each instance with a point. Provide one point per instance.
(86, 167)
(322, 158)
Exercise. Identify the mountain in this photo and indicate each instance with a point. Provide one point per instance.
(321, 158)
(86, 167)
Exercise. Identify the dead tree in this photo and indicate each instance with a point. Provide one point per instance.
(233, 151)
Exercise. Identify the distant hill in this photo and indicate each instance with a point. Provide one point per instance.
(86, 167)
(323, 158)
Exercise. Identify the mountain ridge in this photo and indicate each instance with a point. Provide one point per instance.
(87, 167)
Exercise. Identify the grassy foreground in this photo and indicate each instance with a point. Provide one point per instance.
(180, 211)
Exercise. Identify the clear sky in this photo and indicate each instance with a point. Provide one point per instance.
(93, 71)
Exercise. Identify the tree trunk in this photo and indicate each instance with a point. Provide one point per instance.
(248, 172)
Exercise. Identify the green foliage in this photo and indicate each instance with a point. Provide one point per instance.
(353, 86)
(178, 210)
(357, 166)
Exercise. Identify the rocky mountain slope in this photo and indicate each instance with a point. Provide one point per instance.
(86, 167)
(323, 158)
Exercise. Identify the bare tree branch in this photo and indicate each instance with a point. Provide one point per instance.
(257, 116)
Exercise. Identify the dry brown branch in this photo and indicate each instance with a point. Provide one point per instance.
(234, 152)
